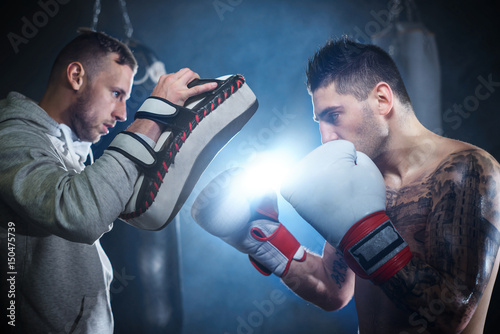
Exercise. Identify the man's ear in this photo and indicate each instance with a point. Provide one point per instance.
(75, 74)
(382, 98)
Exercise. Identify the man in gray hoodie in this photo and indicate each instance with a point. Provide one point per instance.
(55, 277)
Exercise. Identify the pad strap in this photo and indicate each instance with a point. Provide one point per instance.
(164, 112)
(374, 249)
(179, 117)
(135, 148)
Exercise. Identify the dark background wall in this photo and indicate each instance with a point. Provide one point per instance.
(181, 279)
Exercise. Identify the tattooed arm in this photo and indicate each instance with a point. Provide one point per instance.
(461, 244)
(325, 281)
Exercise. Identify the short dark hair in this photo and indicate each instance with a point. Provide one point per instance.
(90, 48)
(355, 68)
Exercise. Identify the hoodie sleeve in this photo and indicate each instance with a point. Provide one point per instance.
(37, 186)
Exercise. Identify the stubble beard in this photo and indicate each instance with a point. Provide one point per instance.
(371, 138)
(82, 120)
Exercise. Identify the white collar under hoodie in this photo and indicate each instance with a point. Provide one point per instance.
(74, 151)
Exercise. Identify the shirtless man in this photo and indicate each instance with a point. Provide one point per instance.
(438, 261)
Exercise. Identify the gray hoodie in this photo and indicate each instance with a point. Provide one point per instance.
(52, 214)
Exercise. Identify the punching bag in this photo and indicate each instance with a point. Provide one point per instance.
(415, 52)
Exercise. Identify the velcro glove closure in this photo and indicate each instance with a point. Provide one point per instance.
(374, 249)
(278, 248)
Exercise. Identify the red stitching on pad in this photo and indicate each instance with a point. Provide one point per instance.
(178, 141)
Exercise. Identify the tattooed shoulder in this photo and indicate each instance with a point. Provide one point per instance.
(469, 178)
(460, 239)
(464, 222)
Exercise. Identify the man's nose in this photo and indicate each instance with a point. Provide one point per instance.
(327, 133)
(120, 113)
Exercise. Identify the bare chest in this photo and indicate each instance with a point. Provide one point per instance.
(409, 208)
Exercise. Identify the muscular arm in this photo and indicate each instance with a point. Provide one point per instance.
(325, 281)
(461, 245)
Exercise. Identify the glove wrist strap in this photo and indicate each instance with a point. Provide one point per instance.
(374, 249)
(287, 247)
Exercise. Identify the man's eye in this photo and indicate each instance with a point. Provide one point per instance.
(116, 94)
(331, 117)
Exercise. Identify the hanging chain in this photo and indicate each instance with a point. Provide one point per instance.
(127, 24)
(413, 12)
(97, 11)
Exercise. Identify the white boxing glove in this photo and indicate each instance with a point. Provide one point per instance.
(341, 193)
(248, 222)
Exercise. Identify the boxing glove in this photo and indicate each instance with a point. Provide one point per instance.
(247, 221)
(341, 193)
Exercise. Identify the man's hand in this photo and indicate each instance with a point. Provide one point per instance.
(173, 87)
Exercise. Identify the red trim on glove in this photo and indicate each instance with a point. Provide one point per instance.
(263, 270)
(283, 241)
(266, 207)
(358, 232)
(391, 267)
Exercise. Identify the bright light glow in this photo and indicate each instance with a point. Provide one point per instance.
(265, 173)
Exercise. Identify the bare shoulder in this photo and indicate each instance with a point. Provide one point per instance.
(469, 168)
(460, 158)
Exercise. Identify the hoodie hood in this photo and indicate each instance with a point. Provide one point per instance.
(19, 107)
